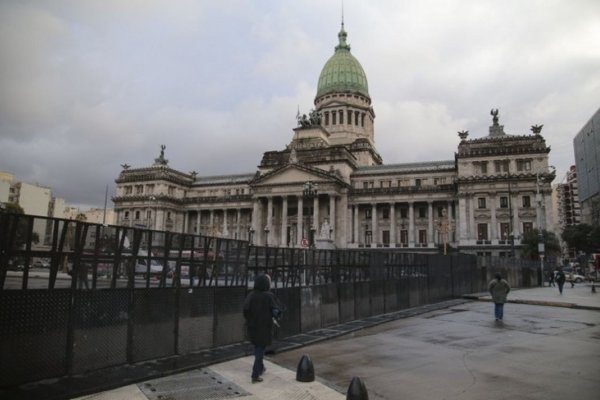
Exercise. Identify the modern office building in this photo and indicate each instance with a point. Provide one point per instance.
(587, 160)
(329, 186)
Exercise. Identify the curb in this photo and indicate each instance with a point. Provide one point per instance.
(534, 302)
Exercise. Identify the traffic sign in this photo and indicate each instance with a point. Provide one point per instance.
(304, 242)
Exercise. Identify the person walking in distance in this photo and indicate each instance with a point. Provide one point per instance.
(260, 307)
(560, 279)
(499, 289)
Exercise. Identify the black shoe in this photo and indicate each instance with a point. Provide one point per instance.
(257, 379)
(263, 371)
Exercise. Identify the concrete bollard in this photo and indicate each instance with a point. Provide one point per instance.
(305, 371)
(357, 390)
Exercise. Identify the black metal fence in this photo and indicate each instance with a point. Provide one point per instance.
(134, 294)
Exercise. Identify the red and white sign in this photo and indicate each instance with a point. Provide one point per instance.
(304, 242)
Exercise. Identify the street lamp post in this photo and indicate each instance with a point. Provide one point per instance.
(267, 230)
(250, 234)
(310, 192)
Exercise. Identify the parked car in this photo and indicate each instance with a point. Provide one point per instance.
(573, 276)
(41, 263)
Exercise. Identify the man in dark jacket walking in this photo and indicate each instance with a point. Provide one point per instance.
(260, 307)
(499, 289)
(560, 279)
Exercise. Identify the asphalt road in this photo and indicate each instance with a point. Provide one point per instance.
(462, 353)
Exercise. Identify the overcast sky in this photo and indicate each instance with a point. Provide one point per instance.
(88, 85)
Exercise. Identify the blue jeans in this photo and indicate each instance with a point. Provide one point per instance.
(499, 310)
(258, 367)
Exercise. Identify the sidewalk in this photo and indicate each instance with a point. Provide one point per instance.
(231, 379)
(580, 296)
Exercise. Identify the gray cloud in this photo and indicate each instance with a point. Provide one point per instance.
(89, 85)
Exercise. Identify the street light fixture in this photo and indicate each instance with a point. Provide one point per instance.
(310, 192)
(267, 230)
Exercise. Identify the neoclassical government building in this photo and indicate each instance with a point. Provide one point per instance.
(330, 188)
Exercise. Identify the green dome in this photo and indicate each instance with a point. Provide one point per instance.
(342, 72)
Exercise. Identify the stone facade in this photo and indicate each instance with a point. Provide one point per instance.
(330, 187)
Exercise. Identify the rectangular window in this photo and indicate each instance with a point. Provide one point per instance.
(349, 117)
(483, 167)
(417, 182)
(526, 201)
(368, 213)
(501, 165)
(126, 214)
(385, 213)
(327, 118)
(137, 215)
(368, 238)
(404, 213)
(404, 236)
(422, 236)
(333, 118)
(385, 237)
(504, 230)
(365, 185)
(523, 165)
(341, 117)
(139, 189)
(481, 202)
(503, 202)
(356, 118)
(128, 189)
(362, 121)
(482, 232)
(148, 214)
(527, 227)
(422, 212)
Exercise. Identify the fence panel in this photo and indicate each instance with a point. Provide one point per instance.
(310, 308)
(229, 319)
(362, 300)
(290, 322)
(100, 328)
(346, 301)
(153, 333)
(330, 309)
(33, 335)
(196, 319)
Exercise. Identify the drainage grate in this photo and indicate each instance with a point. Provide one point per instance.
(193, 385)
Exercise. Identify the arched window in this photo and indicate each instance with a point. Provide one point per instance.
(341, 117)
(356, 113)
(349, 117)
(327, 118)
(333, 117)
(362, 121)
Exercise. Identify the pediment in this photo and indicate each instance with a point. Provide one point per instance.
(296, 174)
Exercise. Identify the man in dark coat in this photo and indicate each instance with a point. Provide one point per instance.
(560, 279)
(259, 308)
(499, 289)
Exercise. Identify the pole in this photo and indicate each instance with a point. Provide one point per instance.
(105, 201)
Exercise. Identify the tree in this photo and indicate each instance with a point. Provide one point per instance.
(582, 238)
(530, 244)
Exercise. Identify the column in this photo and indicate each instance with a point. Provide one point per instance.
(225, 231)
(299, 227)
(472, 230)
(430, 224)
(515, 210)
(332, 217)
(211, 230)
(255, 224)
(449, 216)
(238, 229)
(284, 217)
(316, 215)
(197, 232)
(373, 224)
(342, 227)
(184, 227)
(462, 215)
(356, 224)
(269, 224)
(411, 224)
(392, 224)
(493, 227)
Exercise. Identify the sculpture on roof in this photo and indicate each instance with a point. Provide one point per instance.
(125, 166)
(537, 129)
(161, 158)
(463, 134)
(494, 113)
(313, 119)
